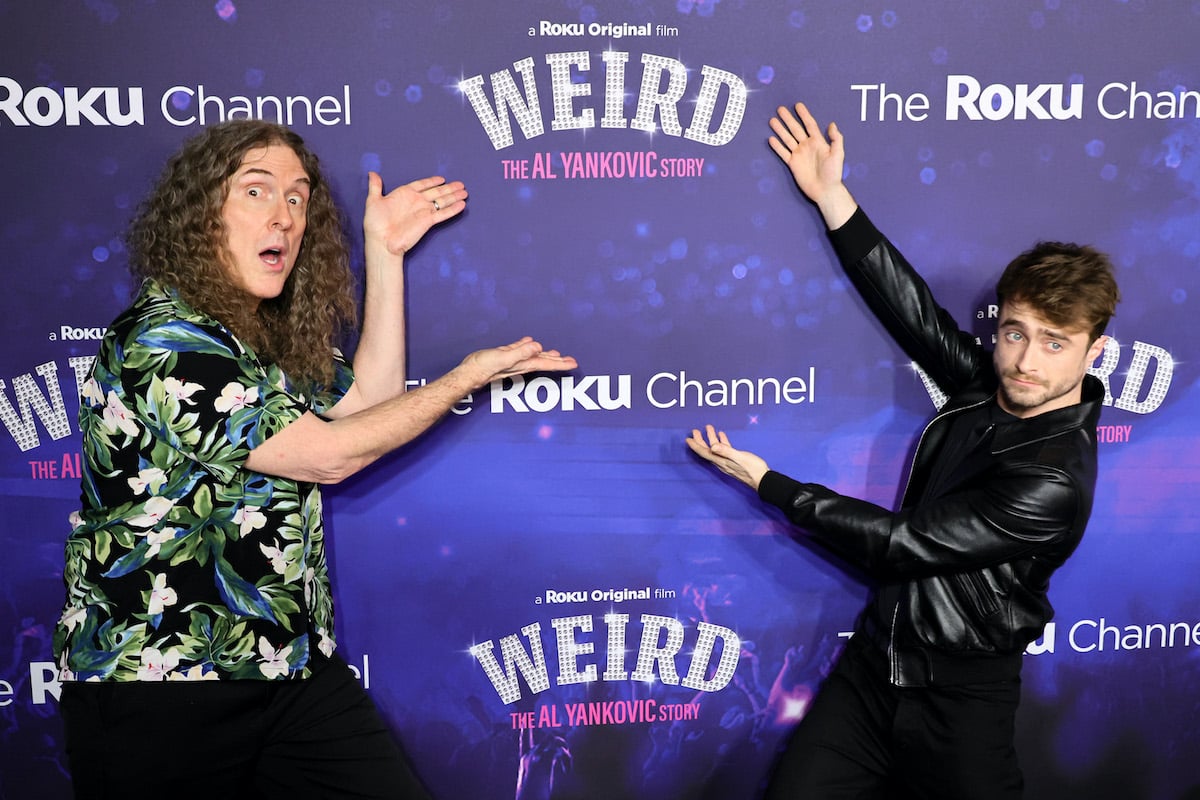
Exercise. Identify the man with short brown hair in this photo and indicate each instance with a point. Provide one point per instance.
(923, 700)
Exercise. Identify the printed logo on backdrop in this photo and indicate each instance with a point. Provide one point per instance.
(1147, 372)
(589, 89)
(1101, 636)
(668, 653)
(668, 101)
(970, 99)
(656, 649)
(181, 106)
(663, 390)
(41, 683)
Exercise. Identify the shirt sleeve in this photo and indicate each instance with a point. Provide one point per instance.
(200, 393)
(327, 397)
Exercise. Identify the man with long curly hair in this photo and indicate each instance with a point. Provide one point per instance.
(197, 645)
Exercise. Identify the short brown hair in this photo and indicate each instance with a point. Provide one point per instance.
(1070, 285)
(178, 239)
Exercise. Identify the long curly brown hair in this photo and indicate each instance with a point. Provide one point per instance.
(178, 239)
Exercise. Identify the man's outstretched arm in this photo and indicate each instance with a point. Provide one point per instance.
(716, 449)
(311, 449)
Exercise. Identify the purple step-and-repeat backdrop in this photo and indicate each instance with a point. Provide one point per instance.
(548, 582)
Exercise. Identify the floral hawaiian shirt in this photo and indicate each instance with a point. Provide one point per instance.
(182, 564)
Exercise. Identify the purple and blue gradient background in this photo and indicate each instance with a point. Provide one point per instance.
(727, 275)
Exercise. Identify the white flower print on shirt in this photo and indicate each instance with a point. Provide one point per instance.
(154, 510)
(156, 539)
(181, 390)
(249, 519)
(324, 642)
(195, 673)
(235, 397)
(274, 662)
(72, 617)
(117, 417)
(92, 392)
(161, 595)
(156, 665)
(152, 479)
(279, 562)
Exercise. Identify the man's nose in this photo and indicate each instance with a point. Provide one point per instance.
(1027, 361)
(281, 216)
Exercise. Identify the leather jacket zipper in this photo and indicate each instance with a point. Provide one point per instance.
(893, 658)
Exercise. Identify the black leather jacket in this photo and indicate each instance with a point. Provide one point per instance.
(963, 568)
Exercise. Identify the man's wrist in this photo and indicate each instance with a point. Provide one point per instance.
(756, 480)
(468, 377)
(837, 206)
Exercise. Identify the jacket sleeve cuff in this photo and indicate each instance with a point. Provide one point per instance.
(856, 238)
(777, 489)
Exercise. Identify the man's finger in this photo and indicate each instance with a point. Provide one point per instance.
(780, 148)
(374, 184)
(785, 137)
(421, 184)
(810, 122)
(794, 127)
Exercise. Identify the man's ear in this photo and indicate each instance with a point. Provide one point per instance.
(1096, 348)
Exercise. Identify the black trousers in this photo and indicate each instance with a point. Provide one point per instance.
(316, 738)
(866, 739)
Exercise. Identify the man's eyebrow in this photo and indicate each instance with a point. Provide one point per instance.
(1053, 333)
(260, 171)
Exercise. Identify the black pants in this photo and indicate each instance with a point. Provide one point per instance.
(315, 738)
(866, 739)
